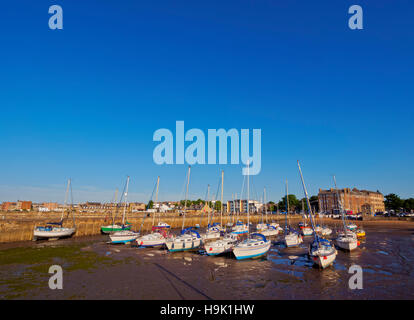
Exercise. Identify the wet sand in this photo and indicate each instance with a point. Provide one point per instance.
(93, 269)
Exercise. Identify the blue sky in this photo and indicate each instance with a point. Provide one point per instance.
(84, 102)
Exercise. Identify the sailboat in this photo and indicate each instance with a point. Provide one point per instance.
(124, 236)
(267, 230)
(346, 240)
(189, 238)
(256, 245)
(292, 238)
(157, 237)
(262, 225)
(305, 229)
(55, 230)
(230, 224)
(240, 227)
(114, 226)
(321, 251)
(221, 246)
(214, 230)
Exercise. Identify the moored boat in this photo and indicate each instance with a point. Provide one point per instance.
(123, 236)
(254, 247)
(155, 239)
(114, 228)
(55, 230)
(321, 251)
(221, 246)
(188, 239)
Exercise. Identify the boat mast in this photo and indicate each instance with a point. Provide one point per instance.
(340, 205)
(221, 208)
(66, 200)
(264, 200)
(156, 200)
(208, 203)
(232, 208)
(126, 201)
(308, 203)
(71, 204)
(287, 205)
(116, 211)
(248, 195)
(186, 194)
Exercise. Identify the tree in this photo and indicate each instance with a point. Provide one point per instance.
(314, 201)
(217, 205)
(294, 203)
(409, 204)
(150, 205)
(394, 202)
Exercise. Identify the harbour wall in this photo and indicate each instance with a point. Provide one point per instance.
(19, 226)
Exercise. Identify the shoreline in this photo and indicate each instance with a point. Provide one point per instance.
(19, 227)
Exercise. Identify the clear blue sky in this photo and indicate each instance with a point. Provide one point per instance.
(84, 102)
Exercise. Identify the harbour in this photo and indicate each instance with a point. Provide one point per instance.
(95, 270)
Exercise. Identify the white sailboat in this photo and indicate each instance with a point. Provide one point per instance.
(304, 228)
(292, 238)
(157, 237)
(221, 246)
(321, 251)
(214, 230)
(55, 230)
(124, 236)
(256, 245)
(267, 230)
(188, 239)
(240, 228)
(325, 231)
(346, 240)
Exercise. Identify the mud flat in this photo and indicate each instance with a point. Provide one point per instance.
(93, 269)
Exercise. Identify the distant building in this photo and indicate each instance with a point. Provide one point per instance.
(50, 206)
(240, 206)
(16, 206)
(9, 206)
(355, 201)
(206, 209)
(136, 207)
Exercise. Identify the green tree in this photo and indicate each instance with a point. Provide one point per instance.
(394, 202)
(294, 203)
(409, 204)
(271, 206)
(217, 205)
(314, 201)
(150, 205)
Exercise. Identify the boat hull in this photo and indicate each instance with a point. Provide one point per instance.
(347, 245)
(293, 240)
(176, 246)
(113, 228)
(242, 253)
(55, 233)
(123, 237)
(322, 261)
(307, 231)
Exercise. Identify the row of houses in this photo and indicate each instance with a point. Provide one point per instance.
(17, 206)
(356, 201)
